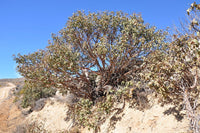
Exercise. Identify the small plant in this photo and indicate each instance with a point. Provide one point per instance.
(106, 105)
(30, 94)
(31, 128)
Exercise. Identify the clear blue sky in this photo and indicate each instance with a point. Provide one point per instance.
(26, 25)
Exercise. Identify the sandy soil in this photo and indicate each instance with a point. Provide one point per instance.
(153, 120)
(10, 115)
(51, 117)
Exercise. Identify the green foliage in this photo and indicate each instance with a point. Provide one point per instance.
(174, 70)
(86, 114)
(106, 105)
(175, 66)
(30, 94)
(107, 45)
(90, 116)
(83, 113)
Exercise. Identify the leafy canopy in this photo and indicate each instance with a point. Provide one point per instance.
(106, 46)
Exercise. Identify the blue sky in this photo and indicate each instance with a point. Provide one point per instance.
(27, 25)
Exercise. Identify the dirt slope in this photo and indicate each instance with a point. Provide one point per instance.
(153, 120)
(157, 119)
(10, 115)
(51, 116)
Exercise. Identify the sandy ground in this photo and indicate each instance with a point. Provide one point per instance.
(10, 115)
(51, 117)
(153, 120)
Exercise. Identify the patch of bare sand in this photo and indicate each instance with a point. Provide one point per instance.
(51, 117)
(153, 120)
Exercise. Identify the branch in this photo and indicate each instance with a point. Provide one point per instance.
(195, 80)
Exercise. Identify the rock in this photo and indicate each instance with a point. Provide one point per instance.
(26, 111)
(39, 104)
(68, 98)
(20, 129)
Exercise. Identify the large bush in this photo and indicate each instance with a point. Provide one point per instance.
(93, 50)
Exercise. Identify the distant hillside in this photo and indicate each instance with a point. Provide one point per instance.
(16, 81)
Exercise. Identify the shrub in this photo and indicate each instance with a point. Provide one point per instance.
(174, 70)
(93, 50)
(86, 115)
(30, 94)
(31, 128)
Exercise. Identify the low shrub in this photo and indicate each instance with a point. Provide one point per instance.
(31, 128)
(86, 113)
(30, 94)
